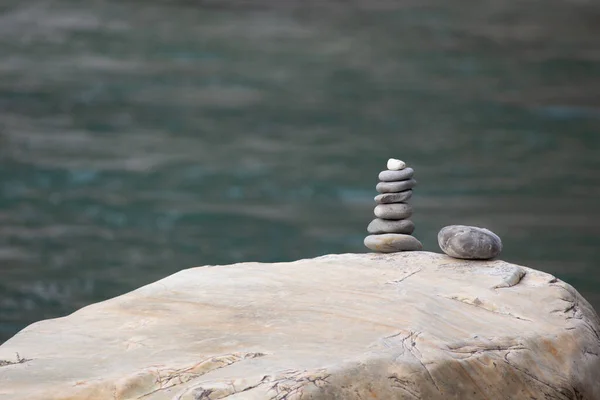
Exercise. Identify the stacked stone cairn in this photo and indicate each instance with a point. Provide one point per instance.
(391, 231)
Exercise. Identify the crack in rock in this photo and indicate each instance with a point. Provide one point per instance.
(19, 360)
(404, 385)
(286, 386)
(468, 350)
(556, 392)
(412, 348)
(574, 312)
(407, 275)
(476, 302)
(220, 390)
(168, 378)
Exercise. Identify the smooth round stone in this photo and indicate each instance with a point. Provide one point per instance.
(387, 198)
(379, 225)
(395, 165)
(390, 176)
(392, 242)
(469, 242)
(393, 211)
(394, 187)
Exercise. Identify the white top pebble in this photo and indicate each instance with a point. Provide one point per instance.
(395, 165)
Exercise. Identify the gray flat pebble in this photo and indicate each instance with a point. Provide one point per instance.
(469, 242)
(393, 211)
(379, 225)
(394, 187)
(390, 176)
(387, 198)
(392, 242)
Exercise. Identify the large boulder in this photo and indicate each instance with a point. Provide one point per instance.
(412, 325)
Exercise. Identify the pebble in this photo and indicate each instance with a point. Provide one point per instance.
(395, 165)
(393, 211)
(379, 225)
(391, 176)
(392, 242)
(394, 187)
(469, 242)
(400, 197)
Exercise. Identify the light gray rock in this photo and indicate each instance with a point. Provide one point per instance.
(469, 242)
(395, 187)
(410, 325)
(393, 211)
(379, 225)
(390, 176)
(392, 242)
(400, 197)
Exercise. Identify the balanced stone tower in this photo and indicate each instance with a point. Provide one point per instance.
(391, 230)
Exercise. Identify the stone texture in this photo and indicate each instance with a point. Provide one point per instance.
(469, 242)
(413, 325)
(395, 187)
(393, 211)
(387, 198)
(379, 225)
(392, 242)
(395, 165)
(391, 176)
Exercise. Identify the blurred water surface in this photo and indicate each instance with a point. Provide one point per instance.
(141, 138)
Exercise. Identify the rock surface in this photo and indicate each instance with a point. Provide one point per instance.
(413, 325)
(393, 211)
(379, 225)
(469, 242)
(402, 175)
(387, 198)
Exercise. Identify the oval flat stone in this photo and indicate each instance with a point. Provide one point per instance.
(390, 176)
(393, 211)
(395, 187)
(387, 198)
(392, 242)
(469, 242)
(379, 225)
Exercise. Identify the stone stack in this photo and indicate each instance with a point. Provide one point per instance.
(391, 230)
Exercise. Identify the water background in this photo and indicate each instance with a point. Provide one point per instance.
(139, 138)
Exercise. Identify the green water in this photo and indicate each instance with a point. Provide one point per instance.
(141, 138)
